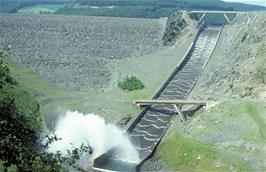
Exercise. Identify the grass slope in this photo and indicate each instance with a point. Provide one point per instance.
(229, 134)
(255, 114)
(112, 103)
(182, 154)
(225, 137)
(25, 103)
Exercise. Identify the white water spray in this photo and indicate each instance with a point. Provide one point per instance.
(76, 128)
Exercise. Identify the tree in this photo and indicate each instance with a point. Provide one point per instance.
(20, 133)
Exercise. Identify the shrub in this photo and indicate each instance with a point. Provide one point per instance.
(4, 71)
(175, 24)
(21, 145)
(131, 83)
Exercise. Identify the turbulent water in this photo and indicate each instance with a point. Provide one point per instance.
(76, 128)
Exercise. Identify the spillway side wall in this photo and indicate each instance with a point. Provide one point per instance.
(176, 69)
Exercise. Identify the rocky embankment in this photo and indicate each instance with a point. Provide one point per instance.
(75, 52)
(177, 23)
(238, 65)
(229, 133)
(235, 83)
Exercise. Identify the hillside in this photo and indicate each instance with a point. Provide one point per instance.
(36, 68)
(228, 134)
(76, 62)
(242, 49)
(148, 8)
(78, 53)
(118, 8)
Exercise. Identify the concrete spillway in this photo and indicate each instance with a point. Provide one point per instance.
(148, 129)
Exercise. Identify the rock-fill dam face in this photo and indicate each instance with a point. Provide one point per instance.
(150, 126)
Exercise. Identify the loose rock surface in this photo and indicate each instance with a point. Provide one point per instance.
(238, 64)
(77, 52)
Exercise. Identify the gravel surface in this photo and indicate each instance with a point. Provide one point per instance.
(238, 65)
(77, 52)
(235, 78)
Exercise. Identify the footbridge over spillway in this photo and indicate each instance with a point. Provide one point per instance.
(205, 12)
(150, 126)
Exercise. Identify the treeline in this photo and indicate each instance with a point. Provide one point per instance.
(127, 8)
(147, 8)
(180, 4)
(133, 12)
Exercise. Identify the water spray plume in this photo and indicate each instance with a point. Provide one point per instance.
(76, 128)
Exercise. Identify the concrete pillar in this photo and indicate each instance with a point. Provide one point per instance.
(180, 113)
(202, 17)
(226, 17)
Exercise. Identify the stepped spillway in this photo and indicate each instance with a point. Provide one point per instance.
(148, 129)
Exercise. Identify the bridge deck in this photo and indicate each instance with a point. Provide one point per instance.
(148, 131)
(209, 11)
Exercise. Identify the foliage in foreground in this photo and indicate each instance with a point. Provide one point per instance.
(130, 84)
(21, 148)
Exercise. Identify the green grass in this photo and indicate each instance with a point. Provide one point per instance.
(182, 154)
(254, 114)
(24, 102)
(238, 113)
(36, 9)
(239, 121)
(86, 102)
(113, 102)
(32, 82)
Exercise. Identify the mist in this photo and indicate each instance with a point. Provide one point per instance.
(76, 128)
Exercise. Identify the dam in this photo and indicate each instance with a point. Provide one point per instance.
(151, 124)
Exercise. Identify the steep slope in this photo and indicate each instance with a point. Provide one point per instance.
(229, 134)
(75, 52)
(238, 66)
(112, 103)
